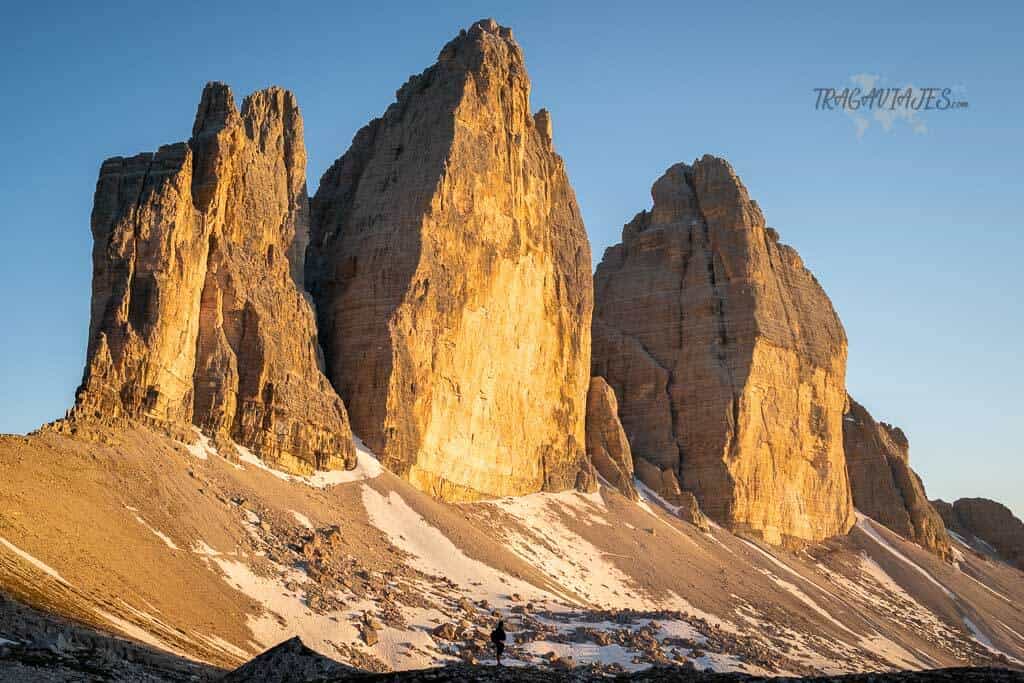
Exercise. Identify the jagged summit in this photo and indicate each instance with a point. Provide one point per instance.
(196, 316)
(451, 273)
(884, 486)
(727, 358)
(216, 109)
(989, 526)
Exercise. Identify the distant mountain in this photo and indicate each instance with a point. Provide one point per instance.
(988, 526)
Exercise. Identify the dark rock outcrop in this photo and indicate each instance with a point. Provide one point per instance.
(884, 486)
(991, 522)
(290, 661)
(607, 445)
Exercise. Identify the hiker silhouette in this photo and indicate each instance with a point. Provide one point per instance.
(498, 638)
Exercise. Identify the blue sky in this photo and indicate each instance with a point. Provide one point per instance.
(916, 236)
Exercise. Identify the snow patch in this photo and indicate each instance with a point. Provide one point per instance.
(250, 458)
(156, 532)
(202, 448)
(224, 646)
(982, 639)
(434, 552)
(892, 652)
(367, 467)
(563, 554)
(38, 564)
(865, 525)
(136, 633)
(795, 591)
(303, 520)
(285, 614)
(1014, 633)
(201, 548)
(647, 494)
(586, 653)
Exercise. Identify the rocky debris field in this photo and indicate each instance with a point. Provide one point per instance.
(293, 662)
(664, 674)
(230, 558)
(36, 647)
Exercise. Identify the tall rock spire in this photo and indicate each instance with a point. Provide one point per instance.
(451, 272)
(727, 358)
(196, 316)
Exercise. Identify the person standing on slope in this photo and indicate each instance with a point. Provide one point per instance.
(498, 638)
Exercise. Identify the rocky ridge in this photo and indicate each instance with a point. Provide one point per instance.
(451, 273)
(991, 522)
(196, 315)
(884, 486)
(607, 445)
(727, 359)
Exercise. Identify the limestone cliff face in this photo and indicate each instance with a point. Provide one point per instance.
(196, 315)
(884, 486)
(992, 522)
(727, 358)
(607, 444)
(451, 273)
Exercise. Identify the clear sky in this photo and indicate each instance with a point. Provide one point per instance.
(915, 232)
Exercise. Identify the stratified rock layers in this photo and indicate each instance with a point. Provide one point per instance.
(196, 316)
(451, 272)
(727, 358)
(985, 519)
(884, 487)
(607, 444)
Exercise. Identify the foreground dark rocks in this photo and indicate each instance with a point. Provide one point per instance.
(291, 662)
(466, 672)
(36, 646)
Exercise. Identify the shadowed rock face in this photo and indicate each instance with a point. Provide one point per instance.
(451, 273)
(607, 445)
(985, 519)
(884, 487)
(727, 358)
(196, 315)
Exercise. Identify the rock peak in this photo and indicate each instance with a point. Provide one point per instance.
(452, 276)
(675, 195)
(216, 109)
(699, 316)
(197, 318)
(485, 43)
(987, 520)
(491, 26)
(883, 485)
